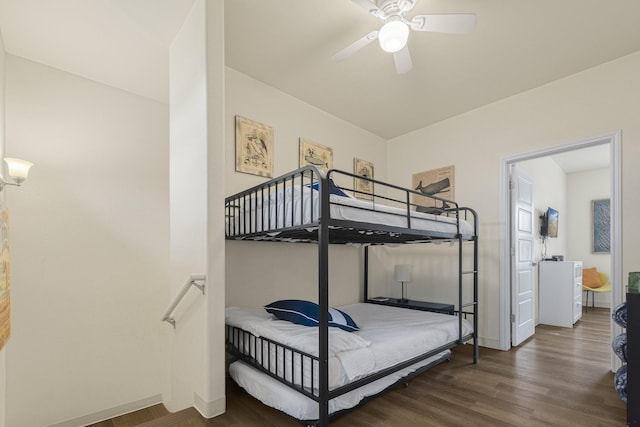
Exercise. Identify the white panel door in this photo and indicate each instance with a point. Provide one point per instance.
(522, 235)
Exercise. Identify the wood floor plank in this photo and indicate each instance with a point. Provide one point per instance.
(559, 377)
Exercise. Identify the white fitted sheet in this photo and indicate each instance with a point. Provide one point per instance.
(277, 395)
(349, 354)
(280, 210)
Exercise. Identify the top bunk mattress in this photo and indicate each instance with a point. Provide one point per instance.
(296, 207)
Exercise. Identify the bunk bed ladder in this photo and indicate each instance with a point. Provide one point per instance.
(474, 272)
(474, 304)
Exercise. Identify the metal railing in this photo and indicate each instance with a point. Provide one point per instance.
(193, 280)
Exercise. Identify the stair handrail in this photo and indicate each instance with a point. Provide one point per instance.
(193, 280)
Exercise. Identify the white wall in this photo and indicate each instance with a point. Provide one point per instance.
(188, 171)
(90, 248)
(599, 100)
(292, 119)
(3, 352)
(258, 273)
(215, 398)
(197, 220)
(549, 190)
(582, 189)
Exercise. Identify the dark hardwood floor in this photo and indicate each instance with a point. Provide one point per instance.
(559, 377)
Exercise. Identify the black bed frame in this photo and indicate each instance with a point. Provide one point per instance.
(243, 224)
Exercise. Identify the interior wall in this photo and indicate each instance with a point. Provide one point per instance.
(3, 352)
(215, 398)
(188, 206)
(582, 189)
(90, 248)
(598, 100)
(550, 190)
(197, 222)
(258, 273)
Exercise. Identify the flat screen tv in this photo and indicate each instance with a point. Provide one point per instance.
(549, 226)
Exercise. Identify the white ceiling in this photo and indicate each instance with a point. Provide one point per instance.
(122, 43)
(597, 157)
(516, 46)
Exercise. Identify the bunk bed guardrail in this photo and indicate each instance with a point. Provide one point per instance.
(287, 207)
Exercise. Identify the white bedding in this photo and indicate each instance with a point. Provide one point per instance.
(387, 336)
(277, 395)
(282, 210)
(349, 354)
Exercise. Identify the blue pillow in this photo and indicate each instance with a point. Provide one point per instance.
(306, 313)
(333, 188)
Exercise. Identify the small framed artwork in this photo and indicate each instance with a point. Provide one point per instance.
(316, 155)
(363, 189)
(601, 214)
(254, 147)
(436, 182)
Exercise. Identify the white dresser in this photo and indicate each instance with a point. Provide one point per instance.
(560, 292)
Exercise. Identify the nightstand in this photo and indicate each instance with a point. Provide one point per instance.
(416, 305)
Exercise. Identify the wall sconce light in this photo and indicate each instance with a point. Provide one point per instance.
(18, 171)
(403, 275)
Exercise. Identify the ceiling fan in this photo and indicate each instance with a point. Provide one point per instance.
(394, 33)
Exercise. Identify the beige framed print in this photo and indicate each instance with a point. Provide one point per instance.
(436, 182)
(254, 147)
(363, 189)
(315, 154)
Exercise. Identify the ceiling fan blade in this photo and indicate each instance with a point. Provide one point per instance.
(355, 46)
(369, 7)
(455, 23)
(402, 58)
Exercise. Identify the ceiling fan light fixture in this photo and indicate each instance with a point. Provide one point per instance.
(393, 35)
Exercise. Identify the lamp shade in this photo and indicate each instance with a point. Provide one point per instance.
(18, 169)
(403, 272)
(393, 36)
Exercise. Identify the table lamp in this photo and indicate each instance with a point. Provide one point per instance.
(403, 275)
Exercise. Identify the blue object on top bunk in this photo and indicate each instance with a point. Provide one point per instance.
(333, 188)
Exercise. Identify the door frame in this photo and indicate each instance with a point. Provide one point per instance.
(614, 141)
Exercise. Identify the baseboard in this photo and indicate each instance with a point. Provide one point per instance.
(489, 343)
(209, 409)
(111, 413)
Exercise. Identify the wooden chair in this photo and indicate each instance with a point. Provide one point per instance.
(606, 287)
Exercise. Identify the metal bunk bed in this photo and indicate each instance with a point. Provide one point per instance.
(302, 206)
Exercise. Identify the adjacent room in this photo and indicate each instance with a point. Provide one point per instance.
(195, 161)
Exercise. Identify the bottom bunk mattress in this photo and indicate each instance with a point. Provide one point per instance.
(273, 393)
(386, 337)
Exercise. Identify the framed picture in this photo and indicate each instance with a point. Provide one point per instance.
(316, 155)
(363, 189)
(436, 182)
(601, 215)
(254, 147)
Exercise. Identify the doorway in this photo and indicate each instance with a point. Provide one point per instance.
(613, 142)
